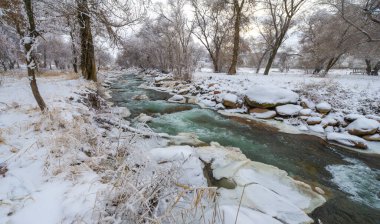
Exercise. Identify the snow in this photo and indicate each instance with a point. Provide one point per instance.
(271, 95)
(288, 110)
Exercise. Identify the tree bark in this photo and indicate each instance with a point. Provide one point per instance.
(87, 64)
(28, 42)
(73, 47)
(272, 56)
(235, 53)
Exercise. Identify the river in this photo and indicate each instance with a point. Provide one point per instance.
(351, 180)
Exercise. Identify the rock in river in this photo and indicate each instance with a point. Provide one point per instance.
(230, 100)
(288, 110)
(262, 113)
(348, 140)
(270, 97)
(363, 126)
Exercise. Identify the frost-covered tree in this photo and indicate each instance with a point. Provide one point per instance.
(19, 16)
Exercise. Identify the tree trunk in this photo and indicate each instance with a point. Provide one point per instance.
(272, 56)
(331, 64)
(376, 69)
(261, 61)
(45, 57)
(87, 64)
(4, 66)
(368, 67)
(28, 42)
(73, 47)
(235, 53)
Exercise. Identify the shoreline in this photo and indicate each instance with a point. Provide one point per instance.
(280, 126)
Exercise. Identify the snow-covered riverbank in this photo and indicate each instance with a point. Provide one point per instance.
(341, 108)
(82, 162)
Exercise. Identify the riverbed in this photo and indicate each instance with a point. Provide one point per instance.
(351, 180)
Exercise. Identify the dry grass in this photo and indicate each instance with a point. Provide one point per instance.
(69, 75)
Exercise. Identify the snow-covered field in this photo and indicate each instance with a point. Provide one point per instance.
(78, 164)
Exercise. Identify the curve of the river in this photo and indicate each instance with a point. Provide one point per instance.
(351, 180)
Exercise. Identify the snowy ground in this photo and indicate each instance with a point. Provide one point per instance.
(75, 164)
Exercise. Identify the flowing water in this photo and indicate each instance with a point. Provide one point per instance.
(351, 180)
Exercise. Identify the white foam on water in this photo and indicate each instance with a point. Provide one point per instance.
(358, 180)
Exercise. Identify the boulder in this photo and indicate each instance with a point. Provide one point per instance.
(352, 117)
(313, 120)
(323, 107)
(363, 126)
(140, 97)
(121, 111)
(374, 137)
(329, 121)
(230, 100)
(262, 113)
(347, 140)
(307, 104)
(373, 117)
(288, 110)
(177, 98)
(306, 112)
(143, 118)
(184, 91)
(270, 97)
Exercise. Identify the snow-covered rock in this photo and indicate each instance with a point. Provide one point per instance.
(323, 107)
(375, 137)
(270, 97)
(220, 106)
(121, 111)
(352, 117)
(329, 121)
(317, 128)
(363, 126)
(230, 100)
(143, 118)
(262, 113)
(288, 110)
(313, 120)
(184, 91)
(348, 140)
(140, 97)
(307, 104)
(208, 103)
(306, 112)
(176, 98)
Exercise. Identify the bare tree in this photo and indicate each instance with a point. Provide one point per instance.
(213, 28)
(280, 20)
(362, 14)
(20, 16)
(238, 14)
